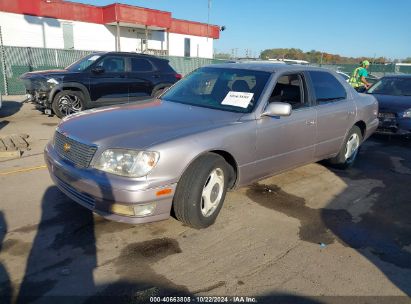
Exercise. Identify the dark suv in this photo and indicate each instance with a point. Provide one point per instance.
(99, 79)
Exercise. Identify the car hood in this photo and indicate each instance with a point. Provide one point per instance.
(393, 104)
(46, 73)
(141, 125)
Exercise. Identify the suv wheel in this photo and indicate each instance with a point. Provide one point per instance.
(201, 191)
(67, 102)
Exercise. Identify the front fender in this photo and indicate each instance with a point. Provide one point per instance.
(66, 86)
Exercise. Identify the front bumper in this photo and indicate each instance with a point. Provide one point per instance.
(99, 191)
(391, 124)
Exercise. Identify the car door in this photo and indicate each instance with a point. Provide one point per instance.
(335, 112)
(287, 141)
(141, 78)
(108, 82)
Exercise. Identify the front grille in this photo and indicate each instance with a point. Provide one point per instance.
(82, 197)
(78, 153)
(386, 115)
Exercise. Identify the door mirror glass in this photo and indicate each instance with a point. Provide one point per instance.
(277, 109)
(98, 70)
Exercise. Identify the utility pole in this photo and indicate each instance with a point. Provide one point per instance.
(3, 65)
(208, 19)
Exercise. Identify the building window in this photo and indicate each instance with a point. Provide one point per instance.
(187, 47)
(68, 36)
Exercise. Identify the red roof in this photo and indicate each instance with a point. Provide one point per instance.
(113, 13)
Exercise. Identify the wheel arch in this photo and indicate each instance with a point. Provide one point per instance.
(363, 127)
(71, 86)
(227, 156)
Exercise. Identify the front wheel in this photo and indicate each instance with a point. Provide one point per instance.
(201, 191)
(67, 102)
(349, 151)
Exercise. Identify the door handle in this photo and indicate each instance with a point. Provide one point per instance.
(350, 113)
(310, 122)
(156, 76)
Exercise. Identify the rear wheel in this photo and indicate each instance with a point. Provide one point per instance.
(67, 102)
(201, 191)
(349, 151)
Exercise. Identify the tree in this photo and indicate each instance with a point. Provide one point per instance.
(314, 56)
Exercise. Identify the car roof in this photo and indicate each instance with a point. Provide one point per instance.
(266, 67)
(129, 54)
(397, 76)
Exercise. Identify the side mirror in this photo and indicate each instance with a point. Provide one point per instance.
(277, 109)
(98, 70)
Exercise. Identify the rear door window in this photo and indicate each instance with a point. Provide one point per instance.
(326, 87)
(141, 65)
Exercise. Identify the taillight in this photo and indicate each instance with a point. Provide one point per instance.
(179, 76)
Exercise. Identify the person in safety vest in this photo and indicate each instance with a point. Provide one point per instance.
(357, 79)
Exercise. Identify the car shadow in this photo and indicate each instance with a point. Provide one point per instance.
(63, 258)
(9, 108)
(372, 214)
(5, 286)
(380, 229)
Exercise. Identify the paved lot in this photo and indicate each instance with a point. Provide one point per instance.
(266, 240)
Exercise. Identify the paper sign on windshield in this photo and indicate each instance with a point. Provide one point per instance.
(94, 58)
(238, 99)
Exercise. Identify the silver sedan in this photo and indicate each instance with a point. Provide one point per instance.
(221, 127)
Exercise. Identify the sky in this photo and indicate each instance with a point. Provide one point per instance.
(371, 28)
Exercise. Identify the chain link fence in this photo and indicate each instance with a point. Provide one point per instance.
(377, 70)
(19, 60)
(16, 61)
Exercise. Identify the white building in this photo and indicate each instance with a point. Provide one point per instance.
(116, 27)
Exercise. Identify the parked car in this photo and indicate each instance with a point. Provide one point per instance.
(222, 127)
(394, 97)
(99, 79)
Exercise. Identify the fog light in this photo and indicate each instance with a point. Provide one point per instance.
(144, 209)
(122, 209)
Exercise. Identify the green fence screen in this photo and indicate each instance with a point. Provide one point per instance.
(19, 60)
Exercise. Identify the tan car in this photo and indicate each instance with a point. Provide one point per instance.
(221, 127)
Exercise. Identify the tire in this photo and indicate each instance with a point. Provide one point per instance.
(158, 92)
(67, 102)
(205, 180)
(349, 151)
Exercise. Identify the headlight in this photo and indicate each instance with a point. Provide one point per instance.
(52, 81)
(407, 113)
(130, 163)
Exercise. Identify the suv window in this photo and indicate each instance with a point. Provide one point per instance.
(112, 64)
(326, 87)
(289, 88)
(141, 65)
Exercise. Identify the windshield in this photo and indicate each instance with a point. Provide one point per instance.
(234, 90)
(83, 63)
(392, 86)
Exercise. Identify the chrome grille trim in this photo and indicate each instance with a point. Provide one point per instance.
(79, 154)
